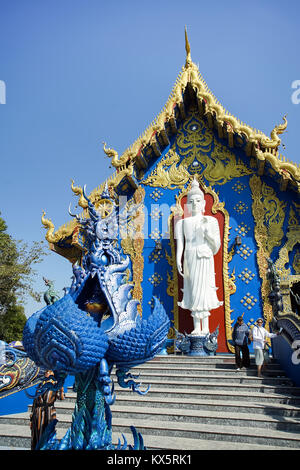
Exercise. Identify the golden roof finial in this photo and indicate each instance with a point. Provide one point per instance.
(282, 127)
(51, 237)
(188, 60)
(79, 192)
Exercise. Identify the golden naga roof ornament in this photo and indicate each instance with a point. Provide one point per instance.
(51, 237)
(79, 192)
(64, 231)
(275, 141)
(116, 161)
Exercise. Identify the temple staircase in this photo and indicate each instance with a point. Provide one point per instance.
(194, 403)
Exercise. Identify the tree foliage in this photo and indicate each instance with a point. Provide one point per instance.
(17, 260)
(12, 323)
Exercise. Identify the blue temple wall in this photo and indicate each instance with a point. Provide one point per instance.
(228, 171)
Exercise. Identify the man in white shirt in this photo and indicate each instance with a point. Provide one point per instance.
(259, 335)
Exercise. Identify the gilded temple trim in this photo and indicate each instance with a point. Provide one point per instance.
(261, 237)
(261, 149)
(217, 163)
(258, 145)
(133, 245)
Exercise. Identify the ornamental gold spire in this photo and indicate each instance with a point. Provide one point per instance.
(79, 192)
(188, 60)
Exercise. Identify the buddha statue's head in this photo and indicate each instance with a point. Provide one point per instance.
(195, 199)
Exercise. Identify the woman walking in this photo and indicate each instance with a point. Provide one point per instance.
(259, 334)
(240, 338)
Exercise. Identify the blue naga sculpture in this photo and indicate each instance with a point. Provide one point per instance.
(94, 327)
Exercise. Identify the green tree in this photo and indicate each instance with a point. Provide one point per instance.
(12, 323)
(17, 260)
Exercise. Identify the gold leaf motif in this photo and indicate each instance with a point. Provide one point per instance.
(195, 143)
(194, 135)
(222, 166)
(133, 244)
(171, 285)
(231, 282)
(155, 279)
(293, 237)
(261, 237)
(167, 174)
(274, 217)
(216, 162)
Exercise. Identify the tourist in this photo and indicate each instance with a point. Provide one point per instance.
(240, 338)
(259, 334)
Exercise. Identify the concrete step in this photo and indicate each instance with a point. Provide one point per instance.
(183, 415)
(207, 394)
(154, 425)
(16, 435)
(229, 433)
(213, 376)
(11, 448)
(209, 361)
(209, 367)
(185, 358)
(138, 404)
(201, 369)
(242, 406)
(215, 385)
(213, 379)
(18, 438)
(216, 418)
(193, 403)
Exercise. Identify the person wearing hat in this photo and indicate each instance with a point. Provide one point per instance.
(259, 334)
(240, 338)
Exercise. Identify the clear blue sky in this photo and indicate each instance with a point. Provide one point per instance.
(78, 72)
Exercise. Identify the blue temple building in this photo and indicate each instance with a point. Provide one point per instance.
(249, 187)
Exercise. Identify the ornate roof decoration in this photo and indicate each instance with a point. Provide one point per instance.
(189, 89)
(190, 86)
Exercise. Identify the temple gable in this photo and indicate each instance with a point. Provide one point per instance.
(250, 188)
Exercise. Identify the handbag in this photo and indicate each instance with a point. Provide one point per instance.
(266, 353)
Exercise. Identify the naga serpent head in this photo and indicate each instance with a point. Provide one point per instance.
(97, 318)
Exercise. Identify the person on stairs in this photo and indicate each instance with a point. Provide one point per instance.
(240, 338)
(259, 334)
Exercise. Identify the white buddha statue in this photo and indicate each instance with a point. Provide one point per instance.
(201, 235)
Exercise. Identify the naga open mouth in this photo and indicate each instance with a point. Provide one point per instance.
(93, 301)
